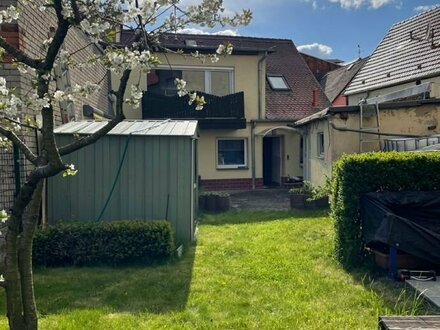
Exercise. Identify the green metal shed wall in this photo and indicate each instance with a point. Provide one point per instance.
(157, 171)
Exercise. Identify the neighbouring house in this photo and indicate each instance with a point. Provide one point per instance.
(28, 34)
(154, 179)
(320, 67)
(393, 101)
(253, 97)
(336, 81)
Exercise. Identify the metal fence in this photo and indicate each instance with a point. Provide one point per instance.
(12, 173)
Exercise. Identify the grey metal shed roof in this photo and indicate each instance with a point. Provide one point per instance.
(400, 58)
(134, 127)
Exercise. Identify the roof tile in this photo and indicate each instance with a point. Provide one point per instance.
(398, 58)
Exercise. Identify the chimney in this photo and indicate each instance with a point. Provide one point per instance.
(314, 97)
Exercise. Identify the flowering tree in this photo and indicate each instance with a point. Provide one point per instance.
(98, 19)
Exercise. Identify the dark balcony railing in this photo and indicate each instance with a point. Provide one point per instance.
(218, 112)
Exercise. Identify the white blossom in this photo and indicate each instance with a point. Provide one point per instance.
(69, 170)
(3, 90)
(192, 97)
(86, 89)
(9, 14)
(136, 97)
(224, 49)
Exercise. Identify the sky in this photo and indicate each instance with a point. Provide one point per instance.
(325, 28)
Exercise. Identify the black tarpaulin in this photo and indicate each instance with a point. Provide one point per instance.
(409, 221)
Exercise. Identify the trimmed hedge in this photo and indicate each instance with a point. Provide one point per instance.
(109, 243)
(356, 174)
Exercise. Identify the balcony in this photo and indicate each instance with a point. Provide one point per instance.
(219, 112)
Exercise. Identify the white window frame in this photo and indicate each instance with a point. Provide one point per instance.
(234, 166)
(320, 146)
(207, 70)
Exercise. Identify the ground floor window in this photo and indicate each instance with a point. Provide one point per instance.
(231, 153)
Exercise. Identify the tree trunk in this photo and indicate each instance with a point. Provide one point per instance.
(30, 222)
(12, 280)
(20, 299)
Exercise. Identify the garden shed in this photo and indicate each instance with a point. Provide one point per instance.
(142, 169)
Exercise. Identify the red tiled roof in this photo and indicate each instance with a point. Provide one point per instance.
(283, 59)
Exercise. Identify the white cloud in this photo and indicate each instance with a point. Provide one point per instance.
(316, 49)
(355, 4)
(379, 3)
(226, 32)
(425, 8)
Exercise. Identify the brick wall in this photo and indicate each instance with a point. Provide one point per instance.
(28, 34)
(231, 184)
(35, 26)
(319, 67)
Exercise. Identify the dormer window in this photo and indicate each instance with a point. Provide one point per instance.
(277, 83)
(190, 43)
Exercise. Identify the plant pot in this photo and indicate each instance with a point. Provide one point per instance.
(298, 201)
(211, 203)
(310, 205)
(202, 202)
(321, 202)
(223, 203)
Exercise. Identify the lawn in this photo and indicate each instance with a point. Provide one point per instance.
(249, 270)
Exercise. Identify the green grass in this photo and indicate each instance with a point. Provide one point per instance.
(249, 270)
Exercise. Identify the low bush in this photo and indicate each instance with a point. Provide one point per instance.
(109, 243)
(312, 191)
(356, 174)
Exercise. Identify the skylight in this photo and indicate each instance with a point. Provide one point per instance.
(278, 83)
(190, 43)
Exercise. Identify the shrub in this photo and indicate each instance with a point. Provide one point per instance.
(215, 193)
(356, 174)
(110, 243)
(306, 189)
(313, 192)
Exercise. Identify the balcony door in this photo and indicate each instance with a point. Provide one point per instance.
(272, 161)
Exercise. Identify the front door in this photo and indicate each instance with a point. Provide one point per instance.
(272, 161)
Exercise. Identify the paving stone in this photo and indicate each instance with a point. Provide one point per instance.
(430, 290)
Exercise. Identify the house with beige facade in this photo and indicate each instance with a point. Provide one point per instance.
(247, 139)
(393, 101)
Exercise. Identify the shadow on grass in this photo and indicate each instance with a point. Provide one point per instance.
(156, 289)
(249, 216)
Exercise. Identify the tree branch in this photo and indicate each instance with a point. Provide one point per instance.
(19, 55)
(21, 124)
(92, 138)
(20, 144)
(58, 39)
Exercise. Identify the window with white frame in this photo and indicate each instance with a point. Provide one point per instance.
(321, 149)
(216, 81)
(231, 153)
